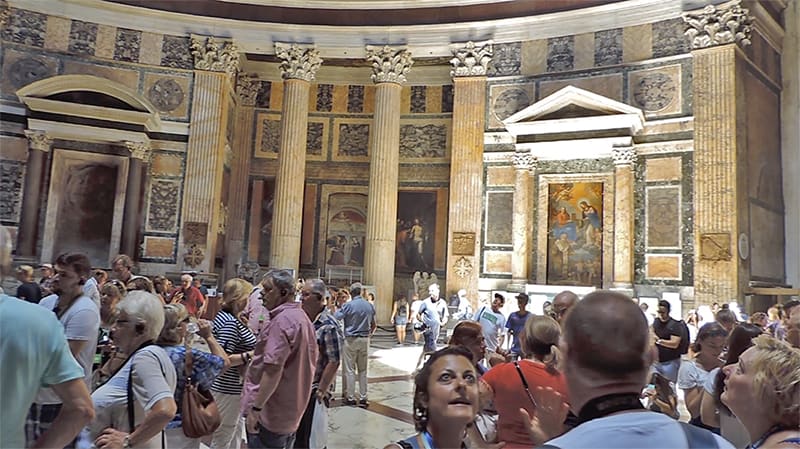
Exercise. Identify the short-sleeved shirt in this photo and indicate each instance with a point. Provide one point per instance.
(235, 338)
(358, 316)
(29, 291)
(192, 299)
(33, 354)
(91, 289)
(415, 305)
(288, 340)
(493, 325)
(692, 375)
(510, 396)
(330, 338)
(205, 368)
(516, 322)
(257, 314)
(81, 322)
(664, 330)
(154, 378)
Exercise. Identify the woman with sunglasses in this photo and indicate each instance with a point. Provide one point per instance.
(693, 373)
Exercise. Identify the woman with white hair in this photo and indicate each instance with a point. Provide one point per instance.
(136, 403)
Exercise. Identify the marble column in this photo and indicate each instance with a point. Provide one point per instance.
(38, 144)
(389, 66)
(521, 224)
(216, 64)
(715, 32)
(624, 158)
(299, 65)
(469, 62)
(246, 91)
(131, 218)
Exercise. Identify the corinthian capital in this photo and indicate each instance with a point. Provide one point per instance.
(623, 156)
(215, 56)
(471, 59)
(247, 88)
(299, 62)
(139, 150)
(524, 161)
(718, 25)
(38, 140)
(389, 65)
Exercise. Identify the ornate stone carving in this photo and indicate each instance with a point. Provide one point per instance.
(248, 271)
(216, 57)
(166, 94)
(623, 156)
(389, 65)
(463, 243)
(38, 140)
(299, 62)
(471, 59)
(194, 256)
(463, 267)
(524, 161)
(726, 23)
(223, 218)
(139, 150)
(247, 86)
(5, 13)
(422, 280)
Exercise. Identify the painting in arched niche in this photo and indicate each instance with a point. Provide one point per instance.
(347, 225)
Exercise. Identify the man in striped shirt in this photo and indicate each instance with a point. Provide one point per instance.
(329, 341)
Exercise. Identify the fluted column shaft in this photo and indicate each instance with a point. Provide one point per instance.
(287, 220)
(133, 198)
(379, 248)
(624, 159)
(521, 220)
(38, 145)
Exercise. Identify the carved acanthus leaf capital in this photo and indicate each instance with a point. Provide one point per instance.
(714, 25)
(623, 156)
(215, 56)
(139, 150)
(247, 88)
(389, 65)
(524, 161)
(471, 59)
(299, 62)
(38, 140)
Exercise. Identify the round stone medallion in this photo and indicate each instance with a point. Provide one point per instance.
(166, 94)
(26, 71)
(509, 102)
(654, 92)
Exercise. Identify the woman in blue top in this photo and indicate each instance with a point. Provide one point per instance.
(205, 367)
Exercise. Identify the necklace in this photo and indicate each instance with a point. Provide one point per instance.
(772, 430)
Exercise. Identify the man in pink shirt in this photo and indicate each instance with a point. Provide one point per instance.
(282, 369)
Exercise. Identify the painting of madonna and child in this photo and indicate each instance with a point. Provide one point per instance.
(575, 237)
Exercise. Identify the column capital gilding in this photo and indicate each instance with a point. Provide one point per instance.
(389, 65)
(623, 156)
(214, 56)
(726, 23)
(38, 140)
(524, 161)
(247, 86)
(299, 62)
(139, 150)
(470, 58)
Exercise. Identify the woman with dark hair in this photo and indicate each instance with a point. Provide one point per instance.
(693, 373)
(400, 318)
(469, 334)
(713, 412)
(445, 401)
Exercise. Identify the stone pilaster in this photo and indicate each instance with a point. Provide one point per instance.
(521, 225)
(131, 219)
(715, 32)
(39, 143)
(299, 65)
(389, 66)
(624, 158)
(246, 90)
(466, 166)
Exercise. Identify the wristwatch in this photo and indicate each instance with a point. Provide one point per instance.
(126, 442)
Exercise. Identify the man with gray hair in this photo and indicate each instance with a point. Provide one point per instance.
(359, 324)
(188, 295)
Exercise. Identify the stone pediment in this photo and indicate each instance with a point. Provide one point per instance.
(572, 109)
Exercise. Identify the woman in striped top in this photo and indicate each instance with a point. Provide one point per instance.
(238, 342)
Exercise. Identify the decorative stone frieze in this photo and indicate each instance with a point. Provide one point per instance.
(298, 61)
(38, 140)
(139, 150)
(524, 161)
(714, 25)
(623, 156)
(471, 59)
(389, 65)
(215, 56)
(463, 267)
(247, 88)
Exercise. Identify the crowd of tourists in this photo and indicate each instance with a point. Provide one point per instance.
(118, 360)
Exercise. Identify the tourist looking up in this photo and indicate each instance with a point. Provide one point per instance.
(358, 316)
(562, 302)
(27, 290)
(516, 322)
(669, 333)
(493, 323)
(694, 373)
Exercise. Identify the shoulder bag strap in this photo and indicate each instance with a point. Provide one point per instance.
(480, 313)
(131, 409)
(188, 364)
(525, 384)
(698, 438)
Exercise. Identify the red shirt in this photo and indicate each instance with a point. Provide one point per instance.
(192, 299)
(510, 396)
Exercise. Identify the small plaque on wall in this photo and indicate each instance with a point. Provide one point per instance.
(463, 243)
(715, 246)
(195, 233)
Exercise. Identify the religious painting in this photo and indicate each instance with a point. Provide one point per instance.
(575, 237)
(416, 231)
(346, 230)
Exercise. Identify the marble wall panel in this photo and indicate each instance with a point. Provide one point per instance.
(663, 266)
(499, 210)
(506, 59)
(405, 100)
(351, 140)
(355, 99)
(82, 38)
(668, 38)
(767, 242)
(14, 148)
(163, 211)
(324, 97)
(150, 51)
(663, 169)
(169, 94)
(560, 53)
(423, 141)
(534, 57)
(268, 135)
(21, 69)
(317, 138)
(607, 85)
(276, 96)
(127, 45)
(262, 97)
(584, 49)
(25, 27)
(656, 91)
(12, 174)
(500, 176)
(158, 247)
(663, 204)
(608, 47)
(497, 262)
(369, 99)
(125, 77)
(58, 34)
(447, 98)
(175, 52)
(505, 100)
(340, 94)
(433, 99)
(418, 99)
(105, 42)
(637, 43)
(166, 164)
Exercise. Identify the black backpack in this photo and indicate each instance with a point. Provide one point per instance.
(683, 347)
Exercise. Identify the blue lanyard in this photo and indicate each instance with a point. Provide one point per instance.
(427, 439)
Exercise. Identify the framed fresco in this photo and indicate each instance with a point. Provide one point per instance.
(416, 231)
(346, 230)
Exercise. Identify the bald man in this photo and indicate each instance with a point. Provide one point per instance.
(562, 302)
(607, 356)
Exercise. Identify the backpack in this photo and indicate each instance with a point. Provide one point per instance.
(683, 347)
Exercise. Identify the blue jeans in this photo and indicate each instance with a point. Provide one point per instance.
(668, 369)
(265, 439)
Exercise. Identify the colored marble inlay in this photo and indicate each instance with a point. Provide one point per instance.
(608, 47)
(324, 97)
(499, 208)
(127, 45)
(663, 217)
(428, 141)
(271, 136)
(353, 139)
(163, 212)
(447, 98)
(314, 143)
(262, 97)
(355, 99)
(82, 37)
(668, 38)
(506, 59)
(418, 99)
(175, 52)
(11, 175)
(560, 53)
(26, 27)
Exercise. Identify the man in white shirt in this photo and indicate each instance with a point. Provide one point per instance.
(464, 307)
(493, 323)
